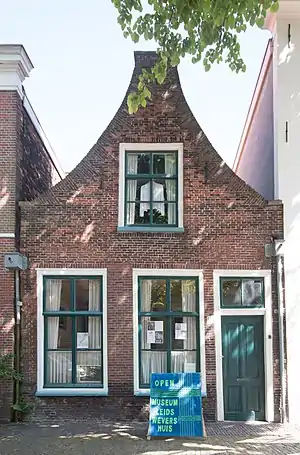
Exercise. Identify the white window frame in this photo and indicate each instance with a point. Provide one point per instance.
(150, 147)
(170, 273)
(65, 391)
(266, 312)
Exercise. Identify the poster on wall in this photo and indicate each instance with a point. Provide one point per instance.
(180, 331)
(155, 332)
(82, 340)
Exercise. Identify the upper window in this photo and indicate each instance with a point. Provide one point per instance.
(150, 187)
(242, 292)
(73, 321)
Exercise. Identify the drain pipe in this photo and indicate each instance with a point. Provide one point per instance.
(18, 305)
(281, 310)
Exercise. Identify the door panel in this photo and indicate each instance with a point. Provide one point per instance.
(243, 367)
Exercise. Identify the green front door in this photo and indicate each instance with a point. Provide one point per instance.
(243, 367)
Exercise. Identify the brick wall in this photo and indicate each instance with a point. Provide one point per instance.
(75, 225)
(25, 171)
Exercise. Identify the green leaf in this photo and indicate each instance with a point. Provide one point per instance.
(135, 37)
(275, 7)
(260, 22)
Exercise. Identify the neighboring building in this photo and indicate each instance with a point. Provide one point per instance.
(268, 159)
(27, 168)
(150, 256)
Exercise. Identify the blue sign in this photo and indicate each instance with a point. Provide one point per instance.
(175, 405)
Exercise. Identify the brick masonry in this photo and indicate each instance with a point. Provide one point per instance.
(25, 171)
(226, 226)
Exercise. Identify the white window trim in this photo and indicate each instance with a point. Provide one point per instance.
(170, 273)
(41, 390)
(140, 147)
(268, 335)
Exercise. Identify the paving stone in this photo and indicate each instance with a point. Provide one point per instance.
(97, 437)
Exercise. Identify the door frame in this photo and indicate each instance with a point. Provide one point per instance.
(266, 312)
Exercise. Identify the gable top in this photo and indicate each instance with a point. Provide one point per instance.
(167, 100)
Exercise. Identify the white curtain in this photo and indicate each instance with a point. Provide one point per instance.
(170, 169)
(53, 292)
(59, 362)
(145, 306)
(132, 161)
(179, 359)
(188, 293)
(94, 323)
(60, 367)
(152, 361)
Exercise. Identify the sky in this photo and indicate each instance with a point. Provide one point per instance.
(83, 66)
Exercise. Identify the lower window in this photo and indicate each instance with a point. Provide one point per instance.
(73, 331)
(168, 318)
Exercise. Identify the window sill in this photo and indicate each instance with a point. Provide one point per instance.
(171, 230)
(71, 392)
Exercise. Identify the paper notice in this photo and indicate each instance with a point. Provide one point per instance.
(82, 340)
(159, 337)
(159, 326)
(180, 331)
(151, 336)
(150, 326)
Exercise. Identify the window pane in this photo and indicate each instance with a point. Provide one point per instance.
(172, 213)
(153, 295)
(89, 366)
(59, 330)
(164, 163)
(158, 295)
(159, 214)
(158, 163)
(152, 362)
(59, 367)
(184, 362)
(253, 293)
(143, 163)
(184, 333)
(134, 214)
(171, 187)
(88, 332)
(57, 295)
(132, 187)
(154, 334)
(88, 295)
(231, 293)
(132, 163)
(183, 295)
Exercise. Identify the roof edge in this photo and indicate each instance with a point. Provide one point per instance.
(41, 133)
(254, 102)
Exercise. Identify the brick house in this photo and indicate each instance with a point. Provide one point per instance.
(27, 168)
(150, 256)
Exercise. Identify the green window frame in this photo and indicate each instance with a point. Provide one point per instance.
(242, 292)
(169, 218)
(168, 316)
(74, 314)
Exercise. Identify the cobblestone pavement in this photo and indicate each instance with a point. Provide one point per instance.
(91, 438)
